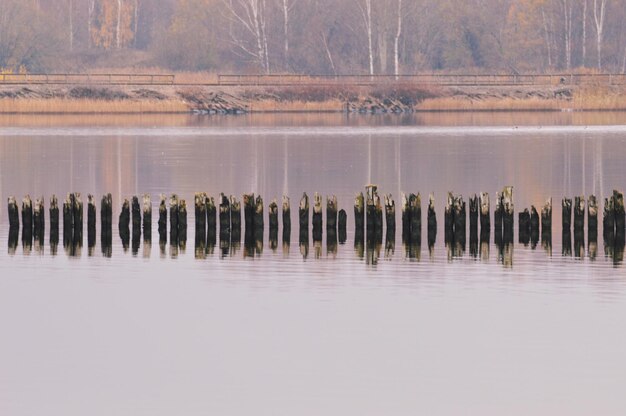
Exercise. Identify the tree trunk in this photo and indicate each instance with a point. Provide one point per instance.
(598, 17)
(396, 42)
(92, 6)
(118, 24)
(286, 33)
(546, 33)
(71, 24)
(135, 22)
(567, 21)
(584, 57)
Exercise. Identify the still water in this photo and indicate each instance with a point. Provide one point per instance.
(314, 329)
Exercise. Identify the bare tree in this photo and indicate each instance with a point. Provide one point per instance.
(396, 42)
(287, 5)
(70, 14)
(90, 12)
(584, 41)
(118, 25)
(366, 13)
(250, 16)
(135, 21)
(598, 17)
(547, 36)
(328, 54)
(567, 8)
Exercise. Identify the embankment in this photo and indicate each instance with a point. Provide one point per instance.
(388, 98)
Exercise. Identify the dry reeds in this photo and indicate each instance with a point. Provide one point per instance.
(89, 106)
(463, 103)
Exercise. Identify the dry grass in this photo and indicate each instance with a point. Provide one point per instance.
(273, 106)
(89, 106)
(599, 100)
(490, 104)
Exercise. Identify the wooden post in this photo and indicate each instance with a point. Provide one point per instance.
(249, 206)
(54, 222)
(497, 218)
(485, 213)
(415, 219)
(182, 223)
(460, 221)
(273, 221)
(211, 218)
(124, 224)
(106, 225)
(534, 226)
(27, 217)
(449, 218)
(620, 218)
(235, 219)
(259, 221)
(390, 217)
(68, 220)
(432, 221)
(359, 214)
(579, 214)
(592, 219)
(39, 222)
(317, 217)
(303, 212)
(546, 224)
(566, 205)
(473, 215)
(331, 213)
(174, 220)
(77, 210)
(406, 219)
(147, 217)
(224, 214)
(342, 225)
(286, 221)
(507, 215)
(200, 216)
(162, 219)
(524, 227)
(14, 213)
(91, 222)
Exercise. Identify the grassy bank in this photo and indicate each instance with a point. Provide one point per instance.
(306, 99)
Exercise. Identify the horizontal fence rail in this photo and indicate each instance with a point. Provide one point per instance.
(423, 79)
(87, 79)
(298, 80)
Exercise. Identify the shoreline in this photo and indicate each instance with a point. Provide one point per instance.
(384, 99)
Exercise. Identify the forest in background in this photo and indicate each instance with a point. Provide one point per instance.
(314, 36)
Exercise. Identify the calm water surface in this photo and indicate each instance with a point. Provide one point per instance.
(312, 329)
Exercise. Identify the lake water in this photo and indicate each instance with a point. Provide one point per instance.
(312, 329)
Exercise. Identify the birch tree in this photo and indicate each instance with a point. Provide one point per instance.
(599, 10)
(366, 14)
(396, 42)
(250, 17)
(567, 9)
(584, 41)
(286, 6)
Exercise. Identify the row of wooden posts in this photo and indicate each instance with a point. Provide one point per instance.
(136, 217)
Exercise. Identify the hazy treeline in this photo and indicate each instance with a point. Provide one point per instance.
(314, 36)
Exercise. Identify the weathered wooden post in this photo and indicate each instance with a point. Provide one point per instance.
(39, 222)
(620, 218)
(13, 238)
(546, 226)
(567, 242)
(91, 221)
(331, 213)
(374, 221)
(27, 217)
(507, 214)
(200, 217)
(342, 225)
(224, 214)
(303, 213)
(579, 214)
(259, 221)
(406, 218)
(174, 220)
(135, 211)
(124, 223)
(14, 213)
(415, 219)
(106, 225)
(566, 204)
(249, 206)
(432, 221)
(286, 220)
(54, 221)
(317, 217)
(534, 226)
(460, 221)
(182, 223)
(163, 220)
(77, 211)
(390, 217)
(524, 227)
(485, 213)
(359, 214)
(608, 219)
(235, 219)
(592, 219)
(473, 215)
(448, 217)
(68, 221)
(273, 224)
(211, 217)
(147, 217)
(498, 213)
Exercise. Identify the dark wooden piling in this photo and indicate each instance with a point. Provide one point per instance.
(460, 221)
(432, 221)
(162, 219)
(566, 205)
(342, 225)
(592, 219)
(390, 217)
(91, 221)
(331, 213)
(415, 219)
(374, 215)
(146, 209)
(566, 242)
(498, 213)
(54, 221)
(303, 212)
(448, 217)
(200, 216)
(27, 216)
(14, 213)
(182, 223)
(546, 226)
(249, 206)
(406, 219)
(235, 218)
(259, 218)
(124, 224)
(135, 210)
(39, 219)
(106, 225)
(485, 213)
(77, 211)
(524, 227)
(273, 216)
(14, 233)
(317, 217)
(620, 217)
(534, 226)
(359, 214)
(473, 216)
(507, 214)
(224, 214)
(286, 221)
(579, 213)
(608, 219)
(211, 217)
(68, 220)
(174, 220)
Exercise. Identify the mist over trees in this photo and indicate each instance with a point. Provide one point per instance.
(314, 36)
